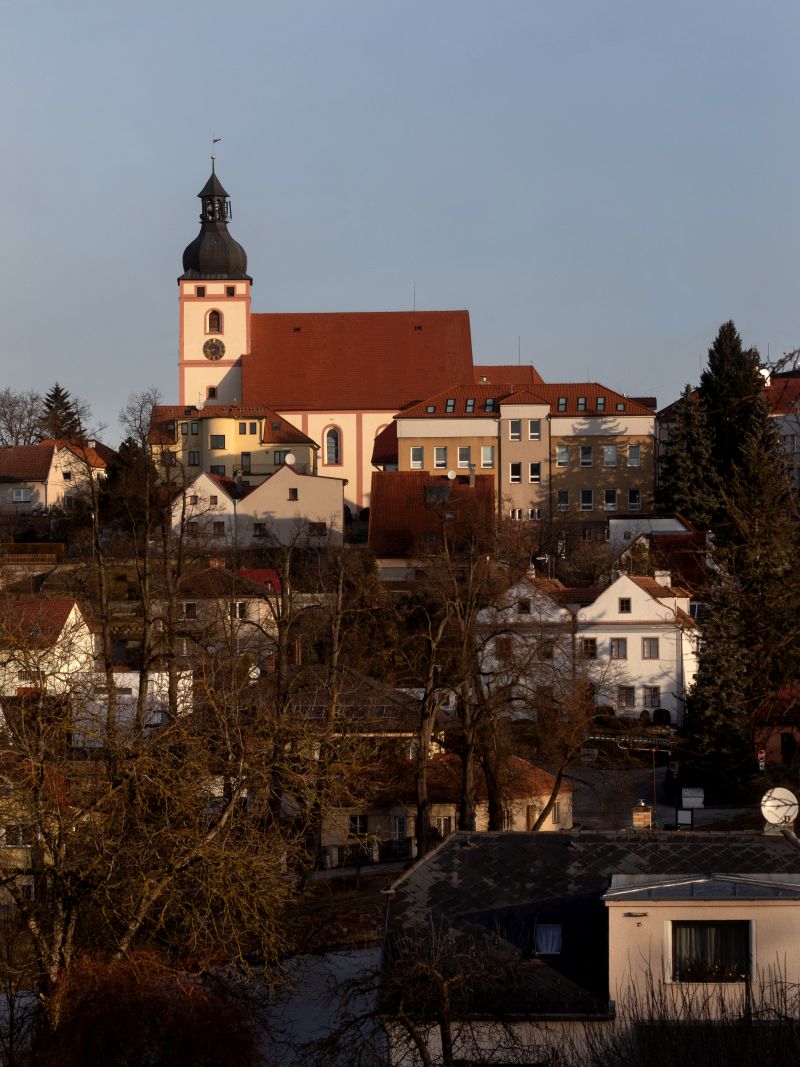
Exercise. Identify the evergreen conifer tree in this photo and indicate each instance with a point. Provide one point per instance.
(62, 414)
(683, 484)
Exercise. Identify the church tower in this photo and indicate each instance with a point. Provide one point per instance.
(214, 306)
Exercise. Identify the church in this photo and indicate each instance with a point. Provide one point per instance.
(338, 378)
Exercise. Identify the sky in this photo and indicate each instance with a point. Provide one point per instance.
(601, 184)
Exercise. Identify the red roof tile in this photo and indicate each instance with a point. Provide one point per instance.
(338, 361)
(522, 779)
(402, 513)
(265, 576)
(26, 463)
(95, 454)
(783, 394)
(571, 393)
(384, 448)
(615, 403)
(517, 374)
(35, 622)
(285, 433)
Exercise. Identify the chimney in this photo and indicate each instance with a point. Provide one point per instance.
(663, 578)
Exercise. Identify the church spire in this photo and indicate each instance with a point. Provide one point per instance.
(214, 253)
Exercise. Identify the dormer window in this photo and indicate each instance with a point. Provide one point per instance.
(581, 403)
(489, 404)
(450, 405)
(562, 403)
(430, 409)
(600, 403)
(469, 406)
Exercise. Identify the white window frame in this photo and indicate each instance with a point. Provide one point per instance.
(487, 456)
(562, 455)
(440, 457)
(634, 505)
(610, 456)
(536, 477)
(417, 458)
(515, 429)
(587, 456)
(587, 500)
(22, 496)
(464, 457)
(515, 473)
(634, 455)
(534, 429)
(562, 505)
(608, 504)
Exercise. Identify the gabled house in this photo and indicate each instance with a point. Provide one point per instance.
(286, 508)
(51, 474)
(44, 645)
(555, 940)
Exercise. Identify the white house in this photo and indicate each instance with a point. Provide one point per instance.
(286, 508)
(89, 718)
(51, 474)
(44, 645)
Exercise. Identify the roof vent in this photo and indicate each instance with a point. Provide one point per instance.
(297, 329)
(484, 379)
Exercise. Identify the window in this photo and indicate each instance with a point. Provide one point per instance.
(487, 455)
(562, 499)
(586, 455)
(22, 496)
(259, 529)
(515, 472)
(317, 529)
(194, 499)
(610, 499)
(609, 455)
(534, 429)
(195, 429)
(213, 500)
(430, 409)
(488, 404)
(293, 493)
(200, 290)
(440, 457)
(508, 819)
(651, 696)
(450, 405)
(534, 513)
(238, 610)
(399, 825)
(620, 406)
(626, 697)
(524, 606)
(562, 403)
(581, 403)
(218, 440)
(253, 427)
(624, 605)
(230, 290)
(562, 456)
(515, 514)
(587, 499)
(589, 647)
(464, 456)
(246, 463)
(191, 528)
(600, 403)
(547, 939)
(546, 648)
(469, 405)
(417, 457)
(515, 429)
(535, 472)
(217, 468)
(242, 427)
(218, 529)
(711, 951)
(211, 392)
(279, 456)
(18, 834)
(650, 648)
(634, 500)
(214, 322)
(504, 648)
(171, 426)
(634, 455)
(357, 825)
(189, 611)
(443, 824)
(184, 429)
(333, 447)
(619, 648)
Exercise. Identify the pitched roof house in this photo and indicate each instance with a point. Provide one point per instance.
(51, 474)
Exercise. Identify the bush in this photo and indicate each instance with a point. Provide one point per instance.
(661, 717)
(644, 717)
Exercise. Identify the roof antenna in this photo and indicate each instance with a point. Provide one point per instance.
(415, 296)
(519, 350)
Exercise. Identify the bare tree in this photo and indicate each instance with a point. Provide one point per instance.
(21, 416)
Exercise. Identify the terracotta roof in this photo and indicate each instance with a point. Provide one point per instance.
(384, 448)
(782, 707)
(96, 454)
(783, 394)
(576, 595)
(34, 622)
(277, 430)
(615, 403)
(26, 463)
(339, 361)
(402, 512)
(522, 779)
(226, 484)
(265, 576)
(659, 591)
(219, 583)
(518, 374)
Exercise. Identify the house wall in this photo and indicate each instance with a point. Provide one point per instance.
(640, 944)
(574, 477)
(518, 498)
(196, 373)
(55, 668)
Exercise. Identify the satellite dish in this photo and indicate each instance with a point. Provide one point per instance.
(451, 475)
(200, 405)
(779, 806)
(290, 458)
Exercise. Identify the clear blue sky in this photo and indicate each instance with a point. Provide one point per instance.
(607, 181)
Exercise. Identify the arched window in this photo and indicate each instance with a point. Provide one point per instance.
(214, 322)
(333, 447)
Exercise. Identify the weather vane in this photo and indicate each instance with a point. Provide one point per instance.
(214, 140)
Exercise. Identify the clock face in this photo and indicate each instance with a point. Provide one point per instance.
(214, 349)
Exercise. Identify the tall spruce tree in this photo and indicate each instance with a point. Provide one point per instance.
(681, 486)
(61, 414)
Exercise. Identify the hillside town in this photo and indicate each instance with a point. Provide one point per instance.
(360, 648)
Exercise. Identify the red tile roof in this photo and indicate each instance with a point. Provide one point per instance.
(262, 576)
(659, 591)
(783, 394)
(402, 515)
(277, 430)
(508, 393)
(615, 403)
(338, 361)
(33, 622)
(26, 463)
(522, 779)
(95, 454)
(384, 448)
(780, 708)
(517, 374)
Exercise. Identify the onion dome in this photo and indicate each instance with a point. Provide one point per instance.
(214, 253)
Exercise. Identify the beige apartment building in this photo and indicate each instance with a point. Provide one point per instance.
(577, 449)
